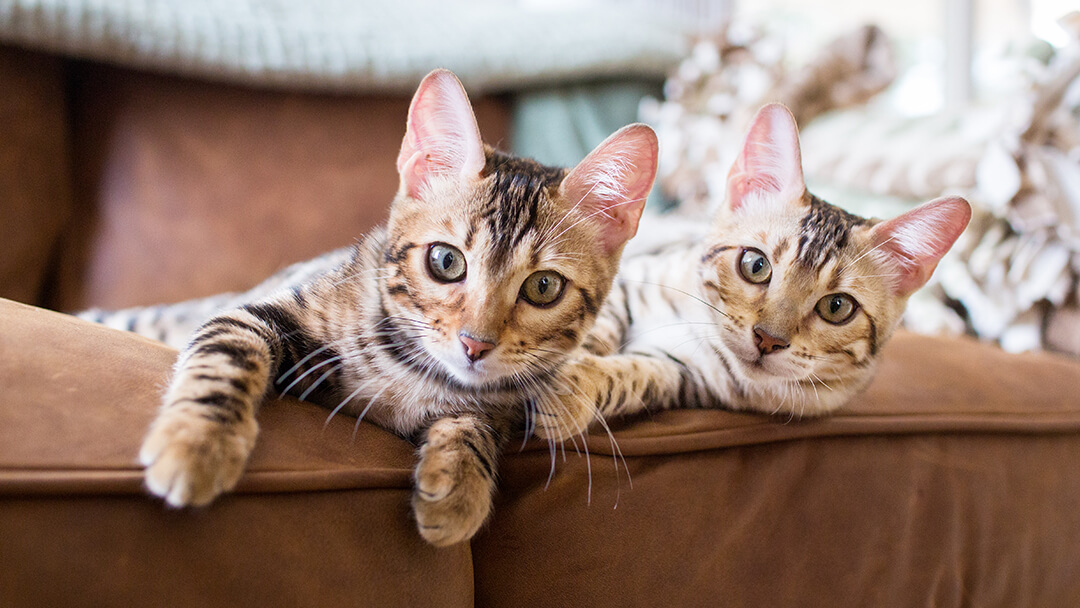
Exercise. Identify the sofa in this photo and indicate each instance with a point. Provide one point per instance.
(951, 481)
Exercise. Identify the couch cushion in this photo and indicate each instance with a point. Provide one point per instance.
(321, 518)
(952, 481)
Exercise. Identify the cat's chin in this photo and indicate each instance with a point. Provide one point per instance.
(474, 374)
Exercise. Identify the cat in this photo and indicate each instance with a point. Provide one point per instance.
(783, 308)
(488, 273)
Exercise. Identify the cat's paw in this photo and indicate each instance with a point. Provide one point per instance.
(452, 498)
(190, 460)
(562, 416)
(570, 408)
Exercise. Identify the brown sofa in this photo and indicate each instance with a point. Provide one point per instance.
(952, 481)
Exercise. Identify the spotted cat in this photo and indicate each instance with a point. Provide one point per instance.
(783, 308)
(489, 272)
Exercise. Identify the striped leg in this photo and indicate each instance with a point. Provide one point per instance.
(617, 385)
(197, 446)
(455, 478)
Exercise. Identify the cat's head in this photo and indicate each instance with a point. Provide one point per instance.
(499, 263)
(809, 293)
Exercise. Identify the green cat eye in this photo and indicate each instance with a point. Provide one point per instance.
(446, 263)
(754, 266)
(543, 288)
(836, 308)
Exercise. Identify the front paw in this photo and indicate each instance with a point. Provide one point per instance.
(570, 407)
(453, 492)
(190, 460)
(562, 416)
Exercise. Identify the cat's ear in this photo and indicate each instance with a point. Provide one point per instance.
(770, 164)
(441, 138)
(915, 241)
(613, 181)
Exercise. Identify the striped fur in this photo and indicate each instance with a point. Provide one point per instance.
(375, 331)
(685, 327)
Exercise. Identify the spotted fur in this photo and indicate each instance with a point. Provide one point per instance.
(377, 332)
(687, 327)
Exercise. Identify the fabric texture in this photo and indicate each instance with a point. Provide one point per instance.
(343, 45)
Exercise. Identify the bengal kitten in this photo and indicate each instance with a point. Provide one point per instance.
(488, 274)
(782, 309)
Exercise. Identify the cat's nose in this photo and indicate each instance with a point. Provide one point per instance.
(474, 349)
(768, 343)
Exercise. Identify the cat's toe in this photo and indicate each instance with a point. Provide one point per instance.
(452, 498)
(190, 460)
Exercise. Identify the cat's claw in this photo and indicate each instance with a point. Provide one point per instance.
(190, 460)
(452, 498)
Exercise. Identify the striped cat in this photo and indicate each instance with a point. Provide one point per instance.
(491, 269)
(783, 308)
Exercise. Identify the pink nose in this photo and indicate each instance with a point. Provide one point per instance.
(768, 343)
(474, 349)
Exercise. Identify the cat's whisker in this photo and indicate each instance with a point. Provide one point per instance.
(367, 408)
(685, 293)
(615, 449)
(314, 385)
(301, 362)
(346, 400)
(309, 371)
(818, 378)
(602, 211)
(864, 254)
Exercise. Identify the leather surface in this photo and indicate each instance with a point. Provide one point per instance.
(950, 482)
(321, 518)
(35, 195)
(186, 188)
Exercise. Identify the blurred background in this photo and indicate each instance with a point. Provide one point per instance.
(158, 150)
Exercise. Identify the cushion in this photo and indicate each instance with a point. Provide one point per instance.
(321, 518)
(366, 46)
(952, 481)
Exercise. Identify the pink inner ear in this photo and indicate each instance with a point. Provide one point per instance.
(916, 241)
(441, 137)
(613, 181)
(770, 164)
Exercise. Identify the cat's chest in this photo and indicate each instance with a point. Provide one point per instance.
(407, 408)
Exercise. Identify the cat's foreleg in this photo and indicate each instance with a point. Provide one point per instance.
(455, 477)
(197, 446)
(589, 387)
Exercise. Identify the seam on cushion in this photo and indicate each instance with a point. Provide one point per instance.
(37, 482)
(881, 425)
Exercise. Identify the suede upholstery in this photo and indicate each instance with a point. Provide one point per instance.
(950, 482)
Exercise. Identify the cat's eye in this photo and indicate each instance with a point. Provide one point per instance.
(543, 288)
(837, 308)
(446, 263)
(754, 266)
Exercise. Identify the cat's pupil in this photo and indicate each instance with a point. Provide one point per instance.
(835, 304)
(758, 264)
(542, 285)
(448, 260)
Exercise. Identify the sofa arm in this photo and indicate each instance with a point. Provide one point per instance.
(321, 518)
